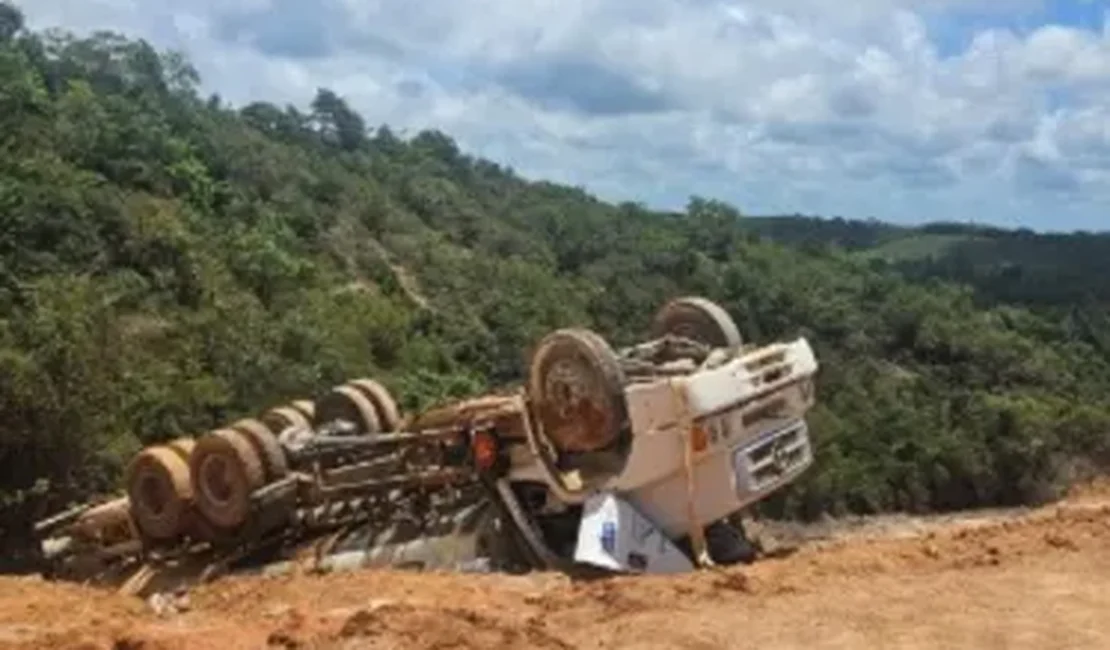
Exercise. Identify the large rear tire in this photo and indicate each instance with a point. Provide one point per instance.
(305, 407)
(274, 463)
(183, 447)
(697, 319)
(385, 407)
(351, 405)
(160, 490)
(577, 386)
(284, 417)
(226, 470)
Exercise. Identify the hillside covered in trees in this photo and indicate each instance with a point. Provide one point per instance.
(1059, 270)
(169, 262)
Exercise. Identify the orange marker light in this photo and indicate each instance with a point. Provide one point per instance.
(483, 447)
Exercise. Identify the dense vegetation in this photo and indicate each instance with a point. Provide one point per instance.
(168, 262)
(1063, 270)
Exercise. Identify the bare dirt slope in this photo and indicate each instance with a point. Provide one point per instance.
(1027, 580)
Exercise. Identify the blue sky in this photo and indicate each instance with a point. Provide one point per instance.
(994, 111)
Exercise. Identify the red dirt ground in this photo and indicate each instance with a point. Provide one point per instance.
(1034, 580)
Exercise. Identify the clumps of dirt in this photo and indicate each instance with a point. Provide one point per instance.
(1065, 528)
(453, 627)
(397, 609)
(385, 624)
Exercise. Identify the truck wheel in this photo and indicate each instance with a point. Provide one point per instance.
(385, 407)
(284, 417)
(225, 470)
(698, 319)
(160, 491)
(274, 463)
(305, 407)
(727, 545)
(577, 385)
(349, 404)
(183, 447)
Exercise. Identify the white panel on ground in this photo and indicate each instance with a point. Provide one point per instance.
(614, 535)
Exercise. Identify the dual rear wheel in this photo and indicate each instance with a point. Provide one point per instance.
(160, 489)
(190, 486)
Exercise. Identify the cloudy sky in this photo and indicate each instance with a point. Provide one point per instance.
(995, 111)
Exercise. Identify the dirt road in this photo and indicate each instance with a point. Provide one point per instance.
(1035, 580)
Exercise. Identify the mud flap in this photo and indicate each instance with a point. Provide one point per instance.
(613, 535)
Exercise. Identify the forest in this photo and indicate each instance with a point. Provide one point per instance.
(169, 262)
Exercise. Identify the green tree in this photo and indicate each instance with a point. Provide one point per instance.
(337, 122)
(11, 22)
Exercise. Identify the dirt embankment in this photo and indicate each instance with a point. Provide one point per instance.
(1008, 580)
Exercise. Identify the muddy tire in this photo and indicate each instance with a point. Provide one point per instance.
(160, 490)
(183, 447)
(349, 404)
(282, 418)
(577, 385)
(226, 470)
(305, 407)
(385, 407)
(274, 464)
(698, 319)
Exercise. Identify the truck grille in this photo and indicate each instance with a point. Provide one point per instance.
(772, 458)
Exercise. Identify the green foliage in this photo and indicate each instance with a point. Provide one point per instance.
(917, 247)
(168, 264)
(11, 21)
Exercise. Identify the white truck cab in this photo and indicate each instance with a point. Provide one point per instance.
(699, 444)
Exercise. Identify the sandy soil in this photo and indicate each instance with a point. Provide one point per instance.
(1038, 579)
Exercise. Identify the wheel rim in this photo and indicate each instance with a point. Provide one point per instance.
(154, 494)
(216, 482)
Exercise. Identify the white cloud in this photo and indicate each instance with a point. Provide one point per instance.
(793, 105)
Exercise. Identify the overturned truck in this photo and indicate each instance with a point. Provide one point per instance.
(604, 461)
